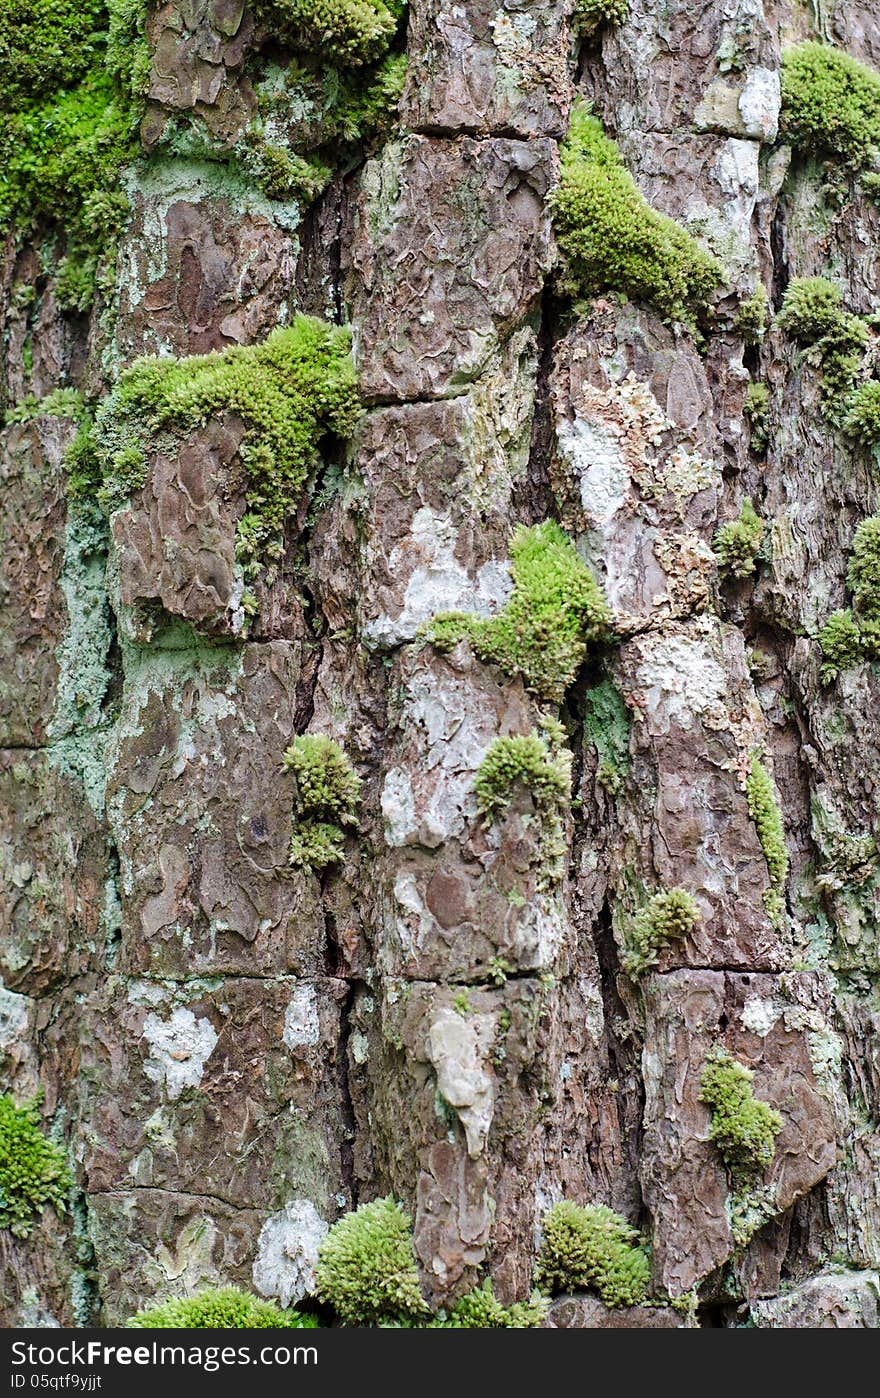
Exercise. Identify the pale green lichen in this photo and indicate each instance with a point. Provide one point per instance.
(33, 1169)
(554, 614)
(228, 1308)
(612, 240)
(764, 811)
(738, 544)
(540, 763)
(743, 1128)
(327, 795)
(366, 1268)
(607, 725)
(592, 1248)
(667, 917)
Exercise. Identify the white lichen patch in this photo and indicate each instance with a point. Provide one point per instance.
(726, 226)
(759, 1015)
(459, 1047)
(685, 473)
(301, 1024)
(287, 1252)
(190, 1266)
(179, 1049)
(436, 581)
(759, 104)
(679, 679)
(398, 807)
(413, 922)
(593, 454)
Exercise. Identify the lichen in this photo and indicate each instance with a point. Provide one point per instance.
(225, 1309)
(592, 1248)
(33, 1169)
(667, 916)
(743, 1128)
(290, 391)
(612, 240)
(830, 103)
(607, 725)
(764, 811)
(541, 763)
(556, 611)
(366, 1267)
(327, 794)
(738, 543)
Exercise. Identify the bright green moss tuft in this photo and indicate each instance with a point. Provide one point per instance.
(764, 811)
(590, 15)
(812, 313)
(666, 917)
(224, 1309)
(743, 1128)
(541, 763)
(862, 421)
(840, 641)
(33, 1170)
(612, 240)
(327, 795)
(366, 1267)
(738, 543)
(830, 102)
(555, 612)
(46, 46)
(291, 390)
(812, 307)
(351, 31)
(753, 315)
(756, 409)
(592, 1248)
(863, 574)
(481, 1310)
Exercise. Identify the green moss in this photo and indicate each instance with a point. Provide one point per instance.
(607, 725)
(666, 917)
(354, 31)
(863, 573)
(756, 408)
(327, 795)
(743, 1128)
(366, 1267)
(738, 543)
(289, 391)
(590, 15)
(851, 636)
(752, 316)
(862, 420)
(224, 1309)
(481, 1310)
(33, 1170)
(46, 46)
(840, 641)
(541, 763)
(871, 186)
(812, 313)
(612, 240)
(61, 402)
(764, 811)
(555, 612)
(592, 1248)
(830, 103)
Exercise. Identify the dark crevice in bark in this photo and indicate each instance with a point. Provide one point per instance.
(346, 1103)
(532, 496)
(624, 1054)
(780, 260)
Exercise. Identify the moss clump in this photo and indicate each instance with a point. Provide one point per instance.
(666, 917)
(863, 574)
(738, 543)
(590, 15)
(481, 1310)
(871, 186)
(840, 641)
(607, 725)
(830, 103)
(46, 46)
(327, 794)
(555, 612)
(289, 391)
(743, 1128)
(224, 1309)
(862, 420)
(592, 1248)
(764, 811)
(812, 313)
(756, 408)
(541, 763)
(752, 316)
(353, 31)
(366, 1267)
(33, 1170)
(851, 636)
(612, 240)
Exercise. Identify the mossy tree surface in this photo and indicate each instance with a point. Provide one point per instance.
(541, 763)
(592, 1248)
(667, 917)
(33, 1169)
(327, 794)
(764, 810)
(225, 1309)
(830, 102)
(367, 1270)
(850, 636)
(743, 1128)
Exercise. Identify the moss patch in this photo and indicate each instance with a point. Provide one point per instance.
(862, 420)
(540, 762)
(224, 1309)
(556, 611)
(813, 314)
(612, 240)
(327, 795)
(738, 543)
(765, 812)
(481, 1310)
(353, 31)
(592, 1248)
(590, 15)
(851, 636)
(830, 102)
(743, 1128)
(756, 408)
(366, 1267)
(667, 917)
(33, 1169)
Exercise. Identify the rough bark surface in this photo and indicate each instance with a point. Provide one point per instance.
(237, 1051)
